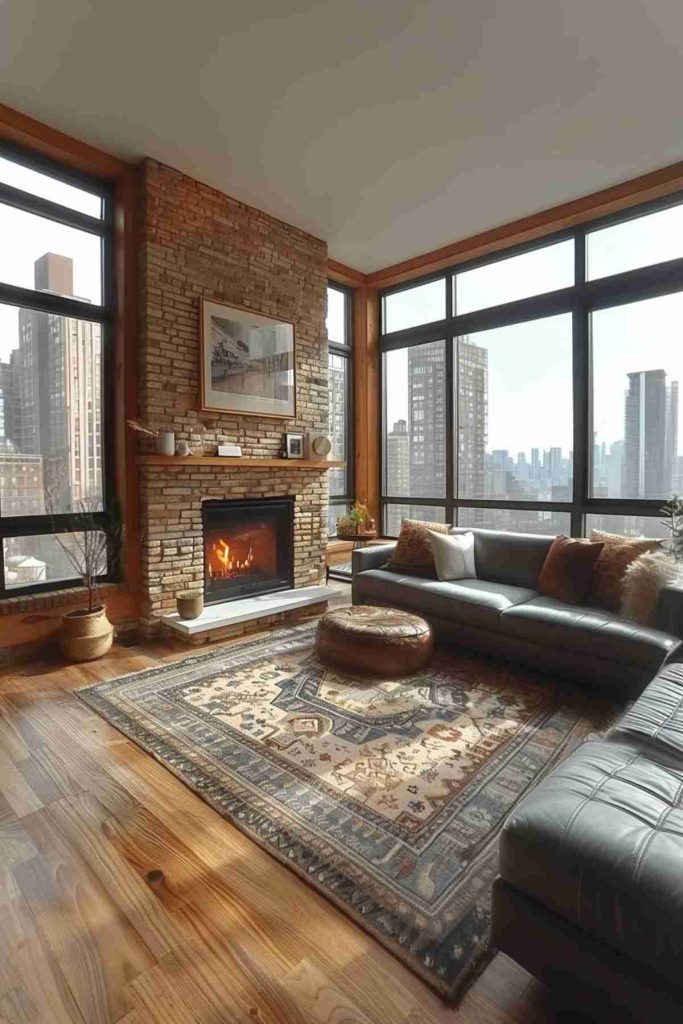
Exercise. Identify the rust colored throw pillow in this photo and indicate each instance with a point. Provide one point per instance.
(567, 573)
(618, 553)
(414, 549)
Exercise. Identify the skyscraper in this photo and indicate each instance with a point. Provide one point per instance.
(473, 406)
(398, 459)
(427, 420)
(8, 406)
(648, 408)
(671, 435)
(555, 465)
(59, 397)
(614, 469)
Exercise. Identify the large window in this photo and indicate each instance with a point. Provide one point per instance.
(340, 364)
(538, 390)
(56, 311)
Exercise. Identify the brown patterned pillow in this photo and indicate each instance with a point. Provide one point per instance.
(608, 575)
(413, 549)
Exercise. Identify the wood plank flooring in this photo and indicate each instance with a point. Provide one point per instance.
(123, 897)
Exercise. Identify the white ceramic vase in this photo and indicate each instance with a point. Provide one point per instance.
(166, 442)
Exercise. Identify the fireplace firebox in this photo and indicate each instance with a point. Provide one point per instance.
(248, 547)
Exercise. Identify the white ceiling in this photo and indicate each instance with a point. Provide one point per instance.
(386, 127)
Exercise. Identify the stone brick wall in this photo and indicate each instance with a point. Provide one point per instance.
(196, 243)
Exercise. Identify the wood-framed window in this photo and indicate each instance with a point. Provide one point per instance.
(57, 323)
(340, 390)
(537, 389)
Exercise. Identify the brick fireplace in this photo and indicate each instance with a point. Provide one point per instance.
(172, 501)
(198, 243)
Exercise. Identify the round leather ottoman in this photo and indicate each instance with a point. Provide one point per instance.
(374, 641)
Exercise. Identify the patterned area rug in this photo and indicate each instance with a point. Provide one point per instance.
(386, 796)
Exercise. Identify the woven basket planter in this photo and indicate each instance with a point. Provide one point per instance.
(86, 635)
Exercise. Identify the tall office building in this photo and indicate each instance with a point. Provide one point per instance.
(398, 459)
(427, 420)
(614, 469)
(671, 435)
(21, 476)
(522, 468)
(498, 464)
(21, 486)
(555, 465)
(8, 406)
(473, 408)
(650, 431)
(59, 397)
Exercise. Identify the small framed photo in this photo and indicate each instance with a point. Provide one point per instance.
(294, 446)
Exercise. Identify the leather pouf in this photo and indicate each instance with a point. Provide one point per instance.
(373, 641)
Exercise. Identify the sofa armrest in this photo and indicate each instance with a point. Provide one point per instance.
(372, 557)
(670, 609)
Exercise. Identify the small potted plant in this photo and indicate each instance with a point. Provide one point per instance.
(190, 603)
(86, 633)
(357, 523)
(673, 510)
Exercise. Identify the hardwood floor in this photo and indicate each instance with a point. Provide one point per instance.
(123, 897)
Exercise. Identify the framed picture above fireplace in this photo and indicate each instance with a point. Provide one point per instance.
(247, 362)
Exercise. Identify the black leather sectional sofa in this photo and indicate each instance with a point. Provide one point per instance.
(502, 613)
(590, 893)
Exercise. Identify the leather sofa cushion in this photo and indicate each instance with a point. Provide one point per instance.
(600, 842)
(514, 558)
(657, 715)
(547, 621)
(475, 602)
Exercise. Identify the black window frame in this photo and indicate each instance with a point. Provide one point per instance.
(103, 314)
(345, 350)
(580, 300)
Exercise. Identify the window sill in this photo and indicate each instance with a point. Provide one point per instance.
(51, 599)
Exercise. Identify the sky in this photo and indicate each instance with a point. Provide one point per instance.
(530, 365)
(33, 236)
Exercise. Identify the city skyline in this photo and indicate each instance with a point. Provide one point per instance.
(642, 463)
(530, 377)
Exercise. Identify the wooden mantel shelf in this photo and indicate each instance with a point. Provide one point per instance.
(232, 463)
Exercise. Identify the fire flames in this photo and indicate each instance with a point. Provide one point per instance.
(225, 563)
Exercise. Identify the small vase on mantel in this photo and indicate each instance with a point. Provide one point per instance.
(166, 442)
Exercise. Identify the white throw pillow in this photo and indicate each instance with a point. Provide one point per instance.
(453, 555)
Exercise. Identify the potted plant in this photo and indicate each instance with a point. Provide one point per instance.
(86, 633)
(673, 510)
(356, 523)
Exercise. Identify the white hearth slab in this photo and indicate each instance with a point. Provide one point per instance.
(230, 613)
